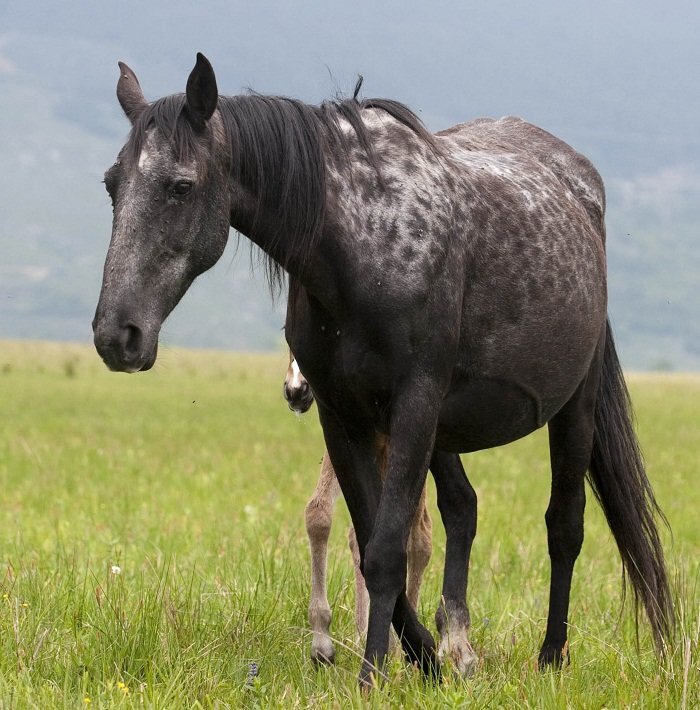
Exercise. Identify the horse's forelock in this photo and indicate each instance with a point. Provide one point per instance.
(168, 117)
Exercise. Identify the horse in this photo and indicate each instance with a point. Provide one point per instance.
(446, 289)
(318, 515)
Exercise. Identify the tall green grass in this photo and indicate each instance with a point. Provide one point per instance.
(152, 548)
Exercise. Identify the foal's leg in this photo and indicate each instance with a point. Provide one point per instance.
(457, 504)
(418, 551)
(361, 593)
(319, 515)
(570, 444)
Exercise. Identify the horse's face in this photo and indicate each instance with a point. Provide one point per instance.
(170, 224)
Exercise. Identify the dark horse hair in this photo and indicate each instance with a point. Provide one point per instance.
(619, 482)
(276, 151)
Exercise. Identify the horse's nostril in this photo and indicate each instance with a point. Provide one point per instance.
(132, 340)
(287, 392)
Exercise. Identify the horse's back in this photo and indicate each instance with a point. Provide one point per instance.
(516, 137)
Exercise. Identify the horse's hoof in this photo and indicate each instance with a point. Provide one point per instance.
(423, 654)
(431, 666)
(369, 677)
(553, 657)
(456, 652)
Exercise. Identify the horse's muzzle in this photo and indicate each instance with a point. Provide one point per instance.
(299, 397)
(123, 348)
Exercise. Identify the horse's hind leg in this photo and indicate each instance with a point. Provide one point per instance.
(457, 505)
(570, 445)
(319, 515)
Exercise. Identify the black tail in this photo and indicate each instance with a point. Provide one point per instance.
(620, 484)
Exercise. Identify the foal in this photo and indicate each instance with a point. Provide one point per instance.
(319, 516)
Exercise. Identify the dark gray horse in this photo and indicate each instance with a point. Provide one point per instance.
(448, 290)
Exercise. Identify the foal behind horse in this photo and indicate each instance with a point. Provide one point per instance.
(319, 516)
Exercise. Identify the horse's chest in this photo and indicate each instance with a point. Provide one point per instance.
(345, 374)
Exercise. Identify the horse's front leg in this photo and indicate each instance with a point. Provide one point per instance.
(412, 437)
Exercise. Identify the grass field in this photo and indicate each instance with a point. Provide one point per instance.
(152, 547)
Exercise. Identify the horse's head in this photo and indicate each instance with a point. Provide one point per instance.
(296, 389)
(170, 194)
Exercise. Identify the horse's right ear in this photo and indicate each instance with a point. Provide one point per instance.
(129, 93)
(202, 93)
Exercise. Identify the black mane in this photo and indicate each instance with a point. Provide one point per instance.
(276, 149)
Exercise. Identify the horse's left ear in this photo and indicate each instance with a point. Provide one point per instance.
(129, 93)
(202, 93)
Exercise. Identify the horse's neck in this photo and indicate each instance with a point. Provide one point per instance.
(354, 190)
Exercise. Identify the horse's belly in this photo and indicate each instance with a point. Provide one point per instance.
(483, 413)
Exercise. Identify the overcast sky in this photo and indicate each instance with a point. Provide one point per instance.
(616, 78)
(578, 67)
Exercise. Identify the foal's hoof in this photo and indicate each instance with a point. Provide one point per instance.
(319, 659)
(323, 654)
(553, 657)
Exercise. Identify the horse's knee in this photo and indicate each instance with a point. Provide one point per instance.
(384, 570)
(318, 519)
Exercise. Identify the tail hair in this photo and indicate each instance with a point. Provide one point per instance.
(618, 478)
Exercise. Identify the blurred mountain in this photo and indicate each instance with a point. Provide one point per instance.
(616, 79)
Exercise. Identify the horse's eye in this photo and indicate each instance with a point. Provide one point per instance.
(181, 188)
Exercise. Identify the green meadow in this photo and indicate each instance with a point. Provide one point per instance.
(152, 548)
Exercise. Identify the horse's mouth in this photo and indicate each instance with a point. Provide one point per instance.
(118, 365)
(301, 405)
(117, 359)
